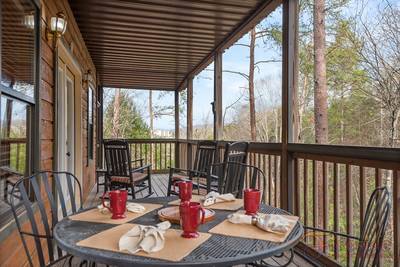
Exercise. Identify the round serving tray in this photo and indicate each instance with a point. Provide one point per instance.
(171, 214)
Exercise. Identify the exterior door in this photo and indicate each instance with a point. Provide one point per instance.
(65, 113)
(68, 118)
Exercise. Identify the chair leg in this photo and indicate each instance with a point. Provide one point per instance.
(133, 191)
(150, 190)
(169, 183)
(97, 183)
(5, 190)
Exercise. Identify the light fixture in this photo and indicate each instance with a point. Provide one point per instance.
(58, 26)
(88, 78)
(29, 21)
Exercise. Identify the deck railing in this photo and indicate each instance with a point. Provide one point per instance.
(331, 188)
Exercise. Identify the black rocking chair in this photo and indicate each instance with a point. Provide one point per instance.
(206, 155)
(218, 173)
(68, 199)
(120, 169)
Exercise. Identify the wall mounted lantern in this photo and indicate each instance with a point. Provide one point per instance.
(58, 26)
(29, 21)
(88, 78)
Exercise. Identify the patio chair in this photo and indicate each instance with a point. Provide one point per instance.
(206, 155)
(48, 202)
(121, 173)
(218, 173)
(239, 176)
(373, 229)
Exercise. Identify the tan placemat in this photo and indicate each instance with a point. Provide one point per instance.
(94, 215)
(251, 231)
(175, 249)
(229, 205)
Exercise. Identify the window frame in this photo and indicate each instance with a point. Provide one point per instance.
(33, 123)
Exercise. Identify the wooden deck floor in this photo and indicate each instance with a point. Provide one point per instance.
(159, 185)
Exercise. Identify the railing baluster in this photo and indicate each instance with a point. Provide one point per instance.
(315, 199)
(336, 206)
(378, 177)
(305, 178)
(325, 203)
(17, 157)
(363, 193)
(349, 213)
(269, 180)
(165, 156)
(296, 187)
(396, 216)
(276, 177)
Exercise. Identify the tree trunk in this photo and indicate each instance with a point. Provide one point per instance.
(116, 114)
(251, 86)
(320, 88)
(394, 118)
(320, 101)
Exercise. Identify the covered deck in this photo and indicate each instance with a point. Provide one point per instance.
(162, 46)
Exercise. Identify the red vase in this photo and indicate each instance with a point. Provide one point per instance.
(118, 200)
(192, 215)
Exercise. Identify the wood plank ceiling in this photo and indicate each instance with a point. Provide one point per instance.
(154, 44)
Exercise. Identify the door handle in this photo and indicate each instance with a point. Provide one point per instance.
(68, 154)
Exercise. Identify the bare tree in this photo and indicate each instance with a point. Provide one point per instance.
(380, 53)
(116, 123)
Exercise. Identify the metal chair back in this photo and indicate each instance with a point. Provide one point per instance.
(117, 158)
(206, 154)
(373, 228)
(48, 191)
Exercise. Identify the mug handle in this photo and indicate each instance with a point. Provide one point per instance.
(174, 184)
(104, 204)
(203, 215)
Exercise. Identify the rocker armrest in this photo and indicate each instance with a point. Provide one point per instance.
(141, 169)
(189, 172)
(331, 232)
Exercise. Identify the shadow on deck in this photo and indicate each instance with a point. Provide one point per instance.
(159, 185)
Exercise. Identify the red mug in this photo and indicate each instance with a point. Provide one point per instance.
(251, 199)
(192, 215)
(185, 190)
(118, 200)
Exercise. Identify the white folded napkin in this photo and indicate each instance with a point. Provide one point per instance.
(144, 237)
(269, 222)
(135, 207)
(274, 223)
(215, 197)
(130, 206)
(239, 218)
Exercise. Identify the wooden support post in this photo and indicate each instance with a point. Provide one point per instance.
(177, 132)
(289, 85)
(218, 127)
(189, 115)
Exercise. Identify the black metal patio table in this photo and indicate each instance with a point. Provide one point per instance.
(218, 250)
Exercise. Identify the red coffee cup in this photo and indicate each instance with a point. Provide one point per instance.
(251, 199)
(192, 215)
(118, 200)
(185, 189)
